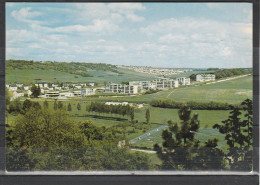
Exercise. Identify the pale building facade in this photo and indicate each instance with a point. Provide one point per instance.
(121, 88)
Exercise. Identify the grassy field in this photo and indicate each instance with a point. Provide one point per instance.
(202, 135)
(29, 76)
(232, 91)
(161, 115)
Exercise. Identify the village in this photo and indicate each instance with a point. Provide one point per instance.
(69, 90)
(155, 71)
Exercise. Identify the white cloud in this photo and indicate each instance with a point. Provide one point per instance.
(122, 7)
(26, 15)
(101, 32)
(134, 18)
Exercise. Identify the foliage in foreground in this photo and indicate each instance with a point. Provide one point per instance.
(44, 139)
(180, 151)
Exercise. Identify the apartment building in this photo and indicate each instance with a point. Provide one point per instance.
(42, 84)
(88, 92)
(165, 83)
(143, 84)
(121, 88)
(184, 80)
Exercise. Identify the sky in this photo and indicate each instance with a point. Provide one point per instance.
(174, 35)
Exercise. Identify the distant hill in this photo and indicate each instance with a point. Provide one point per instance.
(28, 72)
(76, 68)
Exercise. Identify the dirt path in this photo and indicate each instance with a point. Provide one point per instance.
(145, 151)
(148, 134)
(170, 93)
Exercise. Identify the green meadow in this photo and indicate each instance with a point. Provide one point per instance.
(28, 76)
(232, 91)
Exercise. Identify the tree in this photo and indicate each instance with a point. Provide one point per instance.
(36, 91)
(43, 128)
(78, 106)
(247, 106)
(15, 106)
(69, 107)
(45, 104)
(36, 105)
(7, 97)
(55, 106)
(180, 151)
(147, 116)
(60, 105)
(49, 140)
(189, 126)
(27, 105)
(132, 114)
(238, 134)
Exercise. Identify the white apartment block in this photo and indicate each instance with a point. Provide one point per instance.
(7, 85)
(17, 94)
(88, 92)
(26, 87)
(165, 83)
(123, 89)
(19, 84)
(77, 86)
(205, 77)
(54, 85)
(184, 81)
(144, 84)
(77, 93)
(66, 94)
(42, 84)
(13, 88)
(52, 94)
(91, 83)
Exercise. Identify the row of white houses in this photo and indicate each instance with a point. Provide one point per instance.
(136, 87)
(46, 86)
(80, 89)
(71, 93)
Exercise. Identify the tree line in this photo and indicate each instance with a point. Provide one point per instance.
(124, 110)
(193, 105)
(224, 73)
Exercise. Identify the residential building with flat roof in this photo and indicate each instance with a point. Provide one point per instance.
(184, 80)
(121, 88)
